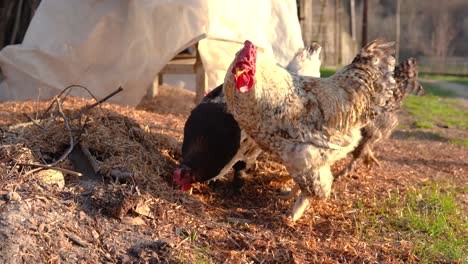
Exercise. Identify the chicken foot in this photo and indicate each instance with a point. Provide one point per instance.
(320, 181)
(361, 150)
(235, 185)
(370, 159)
(287, 195)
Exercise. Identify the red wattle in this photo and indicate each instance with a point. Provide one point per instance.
(186, 187)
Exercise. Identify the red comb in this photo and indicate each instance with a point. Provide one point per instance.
(244, 67)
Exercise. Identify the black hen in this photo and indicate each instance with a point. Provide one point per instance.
(211, 139)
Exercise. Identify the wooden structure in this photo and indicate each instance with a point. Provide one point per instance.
(183, 64)
(305, 19)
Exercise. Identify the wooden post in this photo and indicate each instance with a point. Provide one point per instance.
(364, 23)
(340, 31)
(397, 31)
(153, 90)
(336, 35)
(305, 19)
(353, 19)
(201, 81)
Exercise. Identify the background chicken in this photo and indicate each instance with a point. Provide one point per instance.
(308, 123)
(209, 152)
(406, 76)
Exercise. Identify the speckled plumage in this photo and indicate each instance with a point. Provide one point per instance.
(308, 123)
(406, 76)
(306, 62)
(208, 150)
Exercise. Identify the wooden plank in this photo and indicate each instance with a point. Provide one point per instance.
(183, 64)
(180, 66)
(201, 81)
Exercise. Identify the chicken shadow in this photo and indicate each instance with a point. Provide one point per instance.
(419, 135)
(425, 162)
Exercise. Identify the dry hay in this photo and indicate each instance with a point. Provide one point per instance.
(170, 100)
(155, 224)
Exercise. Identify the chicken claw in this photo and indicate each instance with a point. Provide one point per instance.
(370, 159)
(287, 195)
(301, 204)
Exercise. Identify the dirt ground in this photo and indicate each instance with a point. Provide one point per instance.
(140, 219)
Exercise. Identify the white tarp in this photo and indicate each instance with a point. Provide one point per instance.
(109, 43)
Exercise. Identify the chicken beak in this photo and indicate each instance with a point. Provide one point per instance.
(238, 73)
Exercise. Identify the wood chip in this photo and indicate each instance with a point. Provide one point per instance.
(133, 220)
(77, 240)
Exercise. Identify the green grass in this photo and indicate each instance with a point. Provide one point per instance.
(429, 216)
(448, 78)
(432, 110)
(460, 141)
(434, 89)
(326, 72)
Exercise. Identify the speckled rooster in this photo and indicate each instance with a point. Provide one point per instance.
(308, 123)
(213, 141)
(406, 76)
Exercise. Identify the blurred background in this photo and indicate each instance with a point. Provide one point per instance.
(435, 32)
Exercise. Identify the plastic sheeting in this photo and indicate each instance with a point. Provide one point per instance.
(109, 43)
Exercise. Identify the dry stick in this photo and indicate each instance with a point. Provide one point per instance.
(44, 166)
(33, 121)
(33, 170)
(83, 126)
(77, 240)
(67, 124)
(86, 108)
(63, 91)
(70, 135)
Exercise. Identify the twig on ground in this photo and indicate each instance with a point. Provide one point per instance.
(33, 170)
(33, 121)
(70, 136)
(62, 92)
(90, 158)
(98, 102)
(44, 166)
(77, 240)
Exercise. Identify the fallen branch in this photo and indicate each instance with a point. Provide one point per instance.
(98, 102)
(44, 166)
(62, 92)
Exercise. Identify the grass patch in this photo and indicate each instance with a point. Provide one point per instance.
(459, 141)
(326, 72)
(423, 124)
(431, 110)
(434, 89)
(430, 217)
(448, 78)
